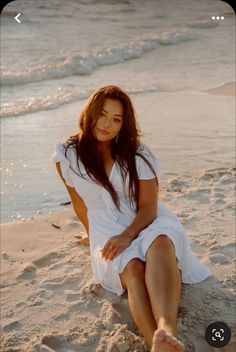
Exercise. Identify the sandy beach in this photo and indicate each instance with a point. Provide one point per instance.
(49, 301)
(226, 89)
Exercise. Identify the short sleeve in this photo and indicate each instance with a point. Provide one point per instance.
(143, 170)
(59, 156)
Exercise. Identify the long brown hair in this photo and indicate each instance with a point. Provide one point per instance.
(123, 150)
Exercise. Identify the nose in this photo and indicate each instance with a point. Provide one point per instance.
(106, 122)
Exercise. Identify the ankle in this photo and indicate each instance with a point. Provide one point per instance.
(168, 326)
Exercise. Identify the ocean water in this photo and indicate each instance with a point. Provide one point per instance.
(61, 51)
(53, 56)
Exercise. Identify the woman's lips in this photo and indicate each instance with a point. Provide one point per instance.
(103, 132)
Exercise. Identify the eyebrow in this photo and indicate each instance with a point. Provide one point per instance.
(114, 114)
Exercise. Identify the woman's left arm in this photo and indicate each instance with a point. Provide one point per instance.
(147, 207)
(147, 212)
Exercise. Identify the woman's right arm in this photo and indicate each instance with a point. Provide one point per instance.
(77, 202)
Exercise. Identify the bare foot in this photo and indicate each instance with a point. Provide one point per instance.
(164, 341)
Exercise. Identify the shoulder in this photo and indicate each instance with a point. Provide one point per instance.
(70, 144)
(144, 150)
(145, 153)
(65, 157)
(144, 157)
(64, 150)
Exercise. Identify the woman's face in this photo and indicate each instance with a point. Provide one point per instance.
(110, 121)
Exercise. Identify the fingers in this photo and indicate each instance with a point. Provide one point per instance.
(84, 241)
(105, 250)
(114, 253)
(79, 236)
(111, 251)
(114, 247)
(81, 239)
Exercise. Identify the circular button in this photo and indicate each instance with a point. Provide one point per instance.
(217, 334)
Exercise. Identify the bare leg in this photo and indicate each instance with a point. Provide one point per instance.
(133, 278)
(163, 283)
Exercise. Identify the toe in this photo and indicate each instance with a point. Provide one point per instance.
(160, 334)
(171, 339)
(180, 347)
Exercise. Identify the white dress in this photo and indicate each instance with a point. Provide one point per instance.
(105, 221)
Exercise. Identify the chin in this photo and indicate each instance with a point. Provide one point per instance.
(103, 139)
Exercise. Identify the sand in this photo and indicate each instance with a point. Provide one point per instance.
(226, 89)
(49, 300)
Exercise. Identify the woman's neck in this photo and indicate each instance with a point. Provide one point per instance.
(105, 149)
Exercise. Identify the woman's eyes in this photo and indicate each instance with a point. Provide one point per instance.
(115, 119)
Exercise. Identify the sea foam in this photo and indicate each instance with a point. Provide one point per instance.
(75, 64)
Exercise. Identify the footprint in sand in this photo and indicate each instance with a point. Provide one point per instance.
(226, 249)
(47, 259)
(200, 195)
(12, 326)
(5, 256)
(72, 296)
(219, 258)
(28, 273)
(59, 343)
(60, 284)
(35, 299)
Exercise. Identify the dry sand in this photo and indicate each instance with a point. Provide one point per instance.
(49, 301)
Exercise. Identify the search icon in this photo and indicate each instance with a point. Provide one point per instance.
(218, 334)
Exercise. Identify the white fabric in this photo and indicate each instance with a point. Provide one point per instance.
(105, 221)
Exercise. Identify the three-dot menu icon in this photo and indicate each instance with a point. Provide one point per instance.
(217, 18)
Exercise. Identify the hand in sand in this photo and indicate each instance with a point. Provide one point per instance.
(164, 341)
(82, 239)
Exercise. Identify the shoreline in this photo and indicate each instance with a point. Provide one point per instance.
(201, 125)
(228, 89)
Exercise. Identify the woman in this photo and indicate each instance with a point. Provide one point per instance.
(136, 243)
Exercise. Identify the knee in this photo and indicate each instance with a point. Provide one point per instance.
(135, 270)
(163, 243)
